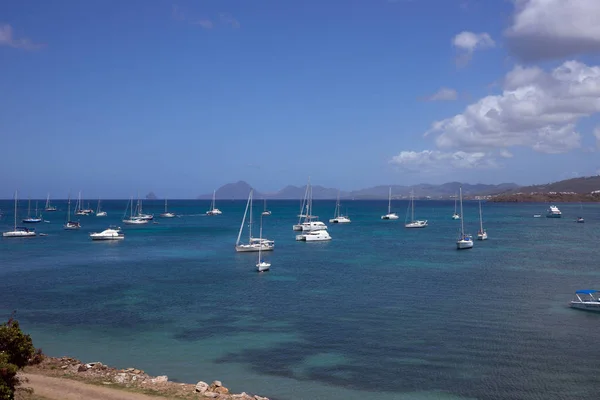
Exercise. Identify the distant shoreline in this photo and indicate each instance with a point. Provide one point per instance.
(545, 198)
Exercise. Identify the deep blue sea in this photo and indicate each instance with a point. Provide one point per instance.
(379, 312)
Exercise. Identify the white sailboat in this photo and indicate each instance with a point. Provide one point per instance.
(312, 231)
(17, 230)
(265, 211)
(464, 241)
(30, 219)
(213, 209)
(261, 265)
(455, 215)
(133, 219)
(167, 214)
(49, 207)
(481, 234)
(338, 218)
(390, 214)
(99, 212)
(254, 244)
(413, 223)
(70, 225)
(79, 210)
(303, 214)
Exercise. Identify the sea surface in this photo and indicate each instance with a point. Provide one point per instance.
(379, 312)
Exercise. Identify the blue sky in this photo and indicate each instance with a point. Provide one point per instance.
(114, 98)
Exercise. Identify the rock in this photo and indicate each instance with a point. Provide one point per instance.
(210, 394)
(129, 369)
(64, 367)
(242, 396)
(120, 377)
(221, 390)
(201, 387)
(137, 371)
(216, 384)
(107, 383)
(160, 379)
(82, 368)
(257, 397)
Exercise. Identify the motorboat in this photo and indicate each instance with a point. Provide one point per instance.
(108, 234)
(314, 236)
(537, 215)
(580, 220)
(587, 300)
(553, 212)
(72, 225)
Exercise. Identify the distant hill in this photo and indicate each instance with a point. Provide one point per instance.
(569, 190)
(240, 190)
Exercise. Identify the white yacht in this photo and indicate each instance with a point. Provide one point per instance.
(49, 207)
(79, 210)
(30, 219)
(304, 214)
(338, 218)
(455, 215)
(587, 300)
(314, 236)
(213, 209)
(553, 212)
(70, 225)
(254, 244)
(266, 212)
(99, 212)
(481, 233)
(261, 265)
(133, 219)
(19, 231)
(390, 214)
(464, 241)
(167, 214)
(414, 223)
(108, 234)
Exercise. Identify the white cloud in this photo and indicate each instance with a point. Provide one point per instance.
(7, 39)
(443, 94)
(537, 109)
(204, 23)
(506, 154)
(467, 42)
(550, 29)
(434, 160)
(597, 135)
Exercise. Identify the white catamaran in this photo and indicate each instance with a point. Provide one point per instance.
(390, 214)
(254, 244)
(413, 222)
(338, 218)
(213, 209)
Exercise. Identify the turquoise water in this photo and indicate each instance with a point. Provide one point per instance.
(379, 312)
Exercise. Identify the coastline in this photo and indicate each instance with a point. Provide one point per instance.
(546, 198)
(128, 380)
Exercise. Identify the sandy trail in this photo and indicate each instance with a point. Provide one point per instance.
(66, 389)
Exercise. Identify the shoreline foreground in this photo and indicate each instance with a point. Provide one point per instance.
(58, 373)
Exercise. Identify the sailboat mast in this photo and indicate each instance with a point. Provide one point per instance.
(412, 206)
(462, 219)
(260, 240)
(250, 222)
(243, 220)
(390, 200)
(15, 210)
(165, 205)
(480, 218)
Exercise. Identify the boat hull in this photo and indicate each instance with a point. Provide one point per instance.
(253, 248)
(416, 224)
(263, 266)
(341, 220)
(464, 244)
(389, 216)
(32, 220)
(101, 214)
(482, 236)
(297, 227)
(167, 215)
(98, 238)
(15, 234)
(593, 306)
(135, 221)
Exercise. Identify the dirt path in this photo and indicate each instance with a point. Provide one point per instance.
(66, 389)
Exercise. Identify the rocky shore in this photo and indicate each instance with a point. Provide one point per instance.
(545, 198)
(133, 379)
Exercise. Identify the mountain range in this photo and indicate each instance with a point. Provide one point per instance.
(240, 190)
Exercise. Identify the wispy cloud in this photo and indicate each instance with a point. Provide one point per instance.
(229, 20)
(226, 19)
(7, 39)
(444, 94)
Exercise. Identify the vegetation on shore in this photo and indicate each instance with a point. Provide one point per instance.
(545, 198)
(16, 352)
